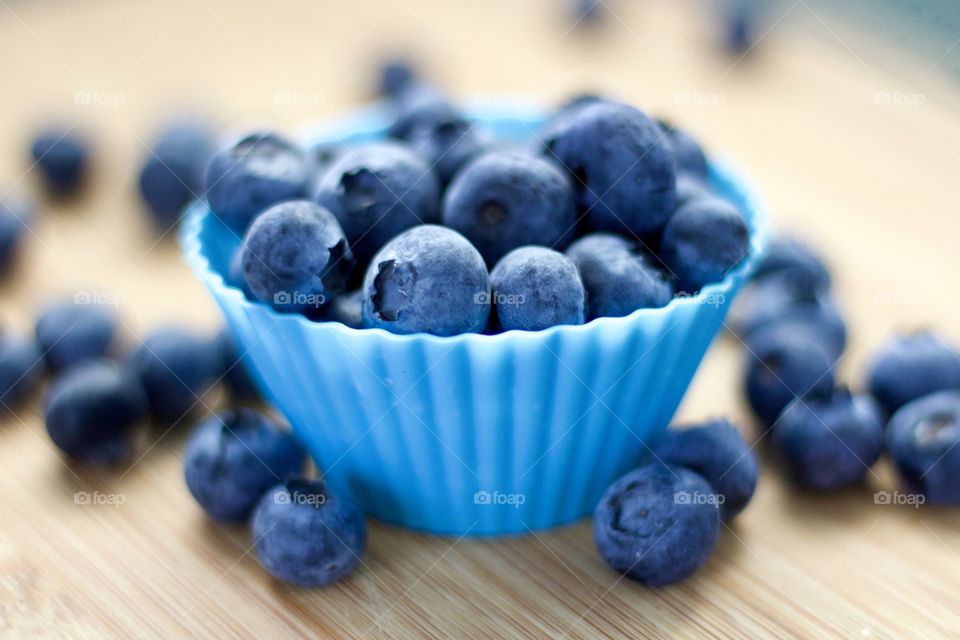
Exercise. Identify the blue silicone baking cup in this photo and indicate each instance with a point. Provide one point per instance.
(473, 434)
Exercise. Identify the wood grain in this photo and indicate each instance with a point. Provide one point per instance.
(874, 184)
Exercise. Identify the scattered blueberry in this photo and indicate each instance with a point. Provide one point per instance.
(703, 241)
(172, 174)
(232, 458)
(348, 309)
(784, 363)
(428, 279)
(534, 288)
(296, 256)
(588, 13)
(21, 366)
(16, 213)
(234, 369)
(716, 451)
(396, 77)
(62, 157)
(377, 191)
(657, 524)
(92, 409)
(738, 34)
(306, 536)
(829, 442)
(910, 366)
(622, 167)
(922, 440)
(176, 367)
(260, 170)
(689, 154)
(508, 199)
(69, 333)
(789, 255)
(618, 275)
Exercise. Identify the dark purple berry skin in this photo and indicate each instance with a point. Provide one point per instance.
(173, 169)
(910, 366)
(62, 158)
(534, 288)
(21, 367)
(69, 333)
(306, 536)
(923, 440)
(233, 457)
(657, 524)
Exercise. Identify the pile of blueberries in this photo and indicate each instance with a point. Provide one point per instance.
(440, 229)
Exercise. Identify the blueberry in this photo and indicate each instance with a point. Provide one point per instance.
(307, 536)
(376, 192)
(716, 451)
(508, 199)
(92, 410)
(560, 119)
(688, 153)
(689, 188)
(396, 77)
(910, 366)
(448, 145)
(789, 255)
(348, 309)
(21, 367)
(428, 279)
(69, 333)
(296, 256)
(535, 288)
(233, 370)
(62, 157)
(320, 158)
(785, 363)
(618, 275)
(16, 214)
(622, 167)
(176, 367)
(421, 108)
(922, 440)
(260, 170)
(235, 276)
(829, 442)
(588, 12)
(782, 298)
(738, 36)
(703, 241)
(172, 173)
(657, 524)
(232, 458)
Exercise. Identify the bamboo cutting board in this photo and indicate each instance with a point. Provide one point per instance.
(853, 145)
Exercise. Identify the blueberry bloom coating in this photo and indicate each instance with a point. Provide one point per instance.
(508, 199)
(306, 536)
(21, 367)
(535, 288)
(703, 241)
(717, 452)
(296, 256)
(922, 440)
(428, 279)
(910, 366)
(657, 524)
(69, 333)
(376, 192)
(233, 370)
(232, 458)
(16, 213)
(830, 442)
(260, 170)
(172, 173)
(92, 410)
(176, 367)
(688, 153)
(348, 309)
(622, 167)
(62, 157)
(782, 298)
(790, 255)
(618, 275)
(784, 363)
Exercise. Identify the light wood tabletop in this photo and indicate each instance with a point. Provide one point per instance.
(852, 144)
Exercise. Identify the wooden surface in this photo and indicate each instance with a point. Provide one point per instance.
(874, 184)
